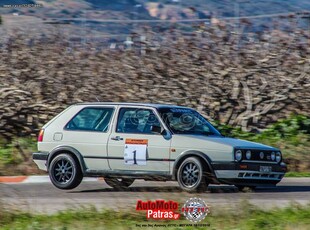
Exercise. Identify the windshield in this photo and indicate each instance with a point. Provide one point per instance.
(187, 121)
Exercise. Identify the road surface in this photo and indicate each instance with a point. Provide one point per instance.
(45, 198)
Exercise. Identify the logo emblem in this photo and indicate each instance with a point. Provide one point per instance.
(195, 209)
(261, 155)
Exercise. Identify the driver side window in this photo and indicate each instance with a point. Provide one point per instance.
(135, 120)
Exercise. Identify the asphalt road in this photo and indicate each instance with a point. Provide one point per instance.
(44, 197)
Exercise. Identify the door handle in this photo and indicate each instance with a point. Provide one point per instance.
(117, 138)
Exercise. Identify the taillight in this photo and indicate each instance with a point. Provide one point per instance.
(40, 137)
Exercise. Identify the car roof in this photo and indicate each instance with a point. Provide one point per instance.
(157, 106)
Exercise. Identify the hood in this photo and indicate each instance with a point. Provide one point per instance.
(242, 143)
(232, 142)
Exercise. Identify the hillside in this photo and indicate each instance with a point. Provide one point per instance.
(249, 86)
(227, 8)
(249, 81)
(162, 9)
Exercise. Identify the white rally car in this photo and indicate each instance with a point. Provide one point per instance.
(127, 141)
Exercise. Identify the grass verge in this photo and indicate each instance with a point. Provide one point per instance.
(16, 157)
(245, 216)
(297, 174)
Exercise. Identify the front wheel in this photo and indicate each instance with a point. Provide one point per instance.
(119, 183)
(191, 176)
(65, 172)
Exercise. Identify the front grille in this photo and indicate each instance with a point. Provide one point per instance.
(255, 155)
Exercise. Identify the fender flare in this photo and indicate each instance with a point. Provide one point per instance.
(61, 149)
(191, 153)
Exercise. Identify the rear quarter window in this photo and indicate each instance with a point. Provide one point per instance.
(91, 119)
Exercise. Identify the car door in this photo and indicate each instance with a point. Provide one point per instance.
(88, 132)
(132, 144)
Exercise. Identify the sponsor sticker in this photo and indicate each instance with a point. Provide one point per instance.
(136, 141)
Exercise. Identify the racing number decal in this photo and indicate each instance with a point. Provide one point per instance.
(135, 151)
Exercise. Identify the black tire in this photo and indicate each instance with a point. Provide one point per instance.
(65, 172)
(191, 175)
(119, 183)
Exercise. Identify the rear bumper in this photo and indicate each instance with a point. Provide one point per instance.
(249, 174)
(40, 159)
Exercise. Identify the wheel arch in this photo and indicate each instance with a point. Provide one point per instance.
(66, 149)
(206, 161)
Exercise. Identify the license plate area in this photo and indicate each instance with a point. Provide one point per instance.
(265, 169)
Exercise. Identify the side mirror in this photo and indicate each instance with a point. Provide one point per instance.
(156, 129)
(163, 132)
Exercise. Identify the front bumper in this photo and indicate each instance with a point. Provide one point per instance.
(40, 159)
(248, 174)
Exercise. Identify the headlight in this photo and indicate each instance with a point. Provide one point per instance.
(238, 155)
(278, 157)
(248, 155)
(273, 156)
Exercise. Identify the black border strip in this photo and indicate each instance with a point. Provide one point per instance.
(122, 158)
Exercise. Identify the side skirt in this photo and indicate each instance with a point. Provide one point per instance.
(146, 175)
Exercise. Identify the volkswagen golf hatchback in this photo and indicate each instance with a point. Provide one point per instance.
(127, 141)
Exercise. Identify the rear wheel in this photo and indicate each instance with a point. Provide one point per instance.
(191, 175)
(65, 172)
(119, 183)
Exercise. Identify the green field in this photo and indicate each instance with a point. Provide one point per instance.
(245, 216)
